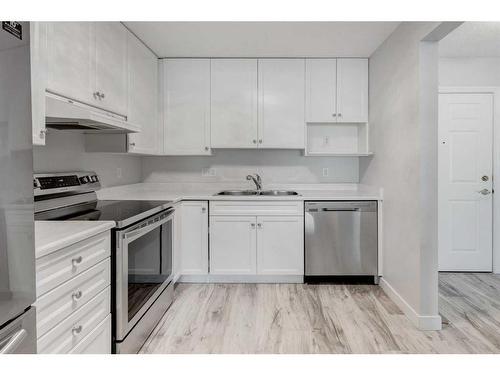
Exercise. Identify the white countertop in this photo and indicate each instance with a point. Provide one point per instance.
(51, 236)
(196, 191)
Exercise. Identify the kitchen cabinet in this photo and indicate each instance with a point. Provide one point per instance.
(87, 62)
(194, 235)
(110, 48)
(186, 106)
(233, 103)
(280, 245)
(263, 240)
(281, 86)
(337, 90)
(233, 245)
(143, 98)
(69, 60)
(38, 55)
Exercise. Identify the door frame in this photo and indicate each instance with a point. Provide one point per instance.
(495, 91)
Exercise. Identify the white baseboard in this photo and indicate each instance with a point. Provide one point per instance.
(422, 322)
(294, 279)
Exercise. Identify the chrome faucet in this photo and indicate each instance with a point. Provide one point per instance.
(256, 180)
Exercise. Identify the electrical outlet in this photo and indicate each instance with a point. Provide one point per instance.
(326, 172)
(208, 172)
(118, 172)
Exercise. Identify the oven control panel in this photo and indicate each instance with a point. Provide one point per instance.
(53, 183)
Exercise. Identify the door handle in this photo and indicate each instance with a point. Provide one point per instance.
(484, 192)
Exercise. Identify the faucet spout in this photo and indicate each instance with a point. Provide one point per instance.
(256, 180)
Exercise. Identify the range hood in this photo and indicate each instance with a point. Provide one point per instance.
(67, 114)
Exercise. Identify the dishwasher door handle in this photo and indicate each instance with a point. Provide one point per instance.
(339, 209)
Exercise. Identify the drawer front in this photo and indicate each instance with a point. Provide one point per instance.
(72, 330)
(56, 268)
(59, 303)
(257, 208)
(96, 342)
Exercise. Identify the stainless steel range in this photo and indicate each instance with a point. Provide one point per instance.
(142, 242)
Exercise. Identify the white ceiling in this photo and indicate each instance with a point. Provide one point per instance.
(262, 39)
(472, 39)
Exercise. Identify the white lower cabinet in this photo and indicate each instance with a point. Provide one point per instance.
(280, 245)
(233, 245)
(264, 247)
(194, 235)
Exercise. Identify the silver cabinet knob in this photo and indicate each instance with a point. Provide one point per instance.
(203, 209)
(259, 225)
(102, 96)
(340, 114)
(132, 144)
(260, 140)
(485, 178)
(334, 115)
(252, 225)
(43, 132)
(484, 192)
(76, 330)
(254, 141)
(76, 261)
(206, 148)
(97, 95)
(77, 295)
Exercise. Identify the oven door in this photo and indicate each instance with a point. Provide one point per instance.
(143, 268)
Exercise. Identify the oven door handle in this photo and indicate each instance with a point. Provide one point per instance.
(135, 234)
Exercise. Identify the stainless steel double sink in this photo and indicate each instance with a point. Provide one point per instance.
(258, 192)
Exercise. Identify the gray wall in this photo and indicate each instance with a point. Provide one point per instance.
(469, 71)
(275, 166)
(396, 116)
(65, 151)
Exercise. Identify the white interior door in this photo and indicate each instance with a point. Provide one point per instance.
(465, 182)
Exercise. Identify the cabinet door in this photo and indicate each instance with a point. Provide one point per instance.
(143, 98)
(280, 245)
(110, 66)
(38, 55)
(352, 90)
(234, 103)
(194, 238)
(321, 90)
(69, 59)
(186, 106)
(281, 103)
(233, 245)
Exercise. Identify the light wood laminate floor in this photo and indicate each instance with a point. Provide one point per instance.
(296, 318)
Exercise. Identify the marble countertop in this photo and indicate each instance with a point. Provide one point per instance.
(196, 191)
(51, 236)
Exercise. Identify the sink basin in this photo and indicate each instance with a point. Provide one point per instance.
(278, 192)
(238, 192)
(255, 192)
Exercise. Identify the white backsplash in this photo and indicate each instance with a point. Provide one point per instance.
(65, 151)
(275, 166)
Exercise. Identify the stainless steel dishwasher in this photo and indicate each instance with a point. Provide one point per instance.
(341, 239)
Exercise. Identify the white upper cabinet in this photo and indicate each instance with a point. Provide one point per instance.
(143, 98)
(110, 41)
(337, 90)
(69, 60)
(281, 103)
(87, 62)
(321, 90)
(352, 90)
(186, 106)
(234, 103)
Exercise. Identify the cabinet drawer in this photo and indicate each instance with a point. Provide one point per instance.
(60, 266)
(59, 303)
(71, 331)
(257, 208)
(96, 342)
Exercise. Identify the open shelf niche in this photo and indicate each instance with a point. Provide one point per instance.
(337, 139)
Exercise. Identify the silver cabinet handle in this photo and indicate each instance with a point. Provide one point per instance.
(43, 132)
(260, 140)
(76, 330)
(76, 261)
(102, 96)
(97, 95)
(206, 148)
(260, 225)
(15, 340)
(203, 209)
(252, 225)
(484, 192)
(77, 295)
(132, 144)
(334, 115)
(340, 114)
(254, 141)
